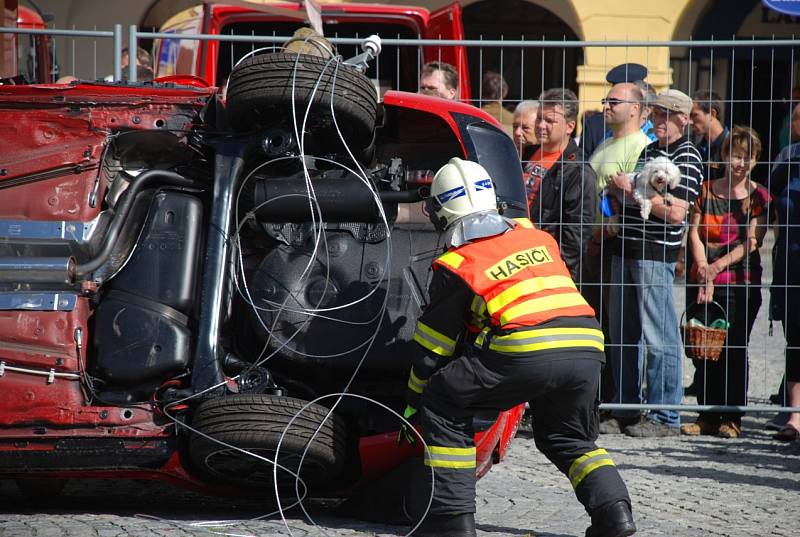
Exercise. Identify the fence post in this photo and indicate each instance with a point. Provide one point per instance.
(133, 54)
(117, 52)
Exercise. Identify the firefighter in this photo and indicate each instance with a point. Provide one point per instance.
(505, 325)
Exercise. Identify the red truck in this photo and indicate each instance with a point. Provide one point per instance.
(212, 60)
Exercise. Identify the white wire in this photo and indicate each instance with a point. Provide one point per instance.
(345, 392)
(314, 205)
(341, 395)
(319, 236)
(385, 222)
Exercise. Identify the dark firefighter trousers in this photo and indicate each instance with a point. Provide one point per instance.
(561, 387)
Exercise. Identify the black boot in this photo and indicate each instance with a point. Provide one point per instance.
(614, 520)
(447, 526)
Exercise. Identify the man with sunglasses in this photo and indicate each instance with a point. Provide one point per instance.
(641, 309)
(622, 112)
(594, 130)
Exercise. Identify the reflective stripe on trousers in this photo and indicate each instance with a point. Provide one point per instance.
(585, 464)
(450, 457)
(541, 339)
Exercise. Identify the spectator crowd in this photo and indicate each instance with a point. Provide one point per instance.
(654, 188)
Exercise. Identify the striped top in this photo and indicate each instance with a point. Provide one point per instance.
(655, 239)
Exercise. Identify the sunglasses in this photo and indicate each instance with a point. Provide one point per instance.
(613, 101)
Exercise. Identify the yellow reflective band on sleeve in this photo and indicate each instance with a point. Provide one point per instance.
(528, 287)
(478, 307)
(542, 339)
(416, 384)
(586, 464)
(434, 341)
(445, 457)
(481, 337)
(524, 222)
(538, 305)
(451, 259)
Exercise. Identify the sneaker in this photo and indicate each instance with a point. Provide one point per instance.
(651, 429)
(699, 427)
(612, 425)
(729, 429)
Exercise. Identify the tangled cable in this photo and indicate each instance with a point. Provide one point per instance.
(278, 309)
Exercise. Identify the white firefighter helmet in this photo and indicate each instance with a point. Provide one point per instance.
(459, 188)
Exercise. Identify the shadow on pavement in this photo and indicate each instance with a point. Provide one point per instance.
(502, 530)
(689, 456)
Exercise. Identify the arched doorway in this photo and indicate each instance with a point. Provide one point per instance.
(527, 71)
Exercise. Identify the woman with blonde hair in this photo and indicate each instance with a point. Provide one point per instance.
(727, 226)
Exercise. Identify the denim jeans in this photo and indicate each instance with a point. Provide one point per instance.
(642, 312)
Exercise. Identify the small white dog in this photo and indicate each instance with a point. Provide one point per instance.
(656, 174)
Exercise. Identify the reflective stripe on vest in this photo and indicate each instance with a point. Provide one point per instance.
(527, 287)
(586, 464)
(520, 276)
(534, 306)
(434, 341)
(451, 259)
(542, 339)
(450, 457)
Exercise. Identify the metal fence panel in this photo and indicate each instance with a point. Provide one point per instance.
(755, 84)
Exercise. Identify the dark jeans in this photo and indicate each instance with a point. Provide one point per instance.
(724, 382)
(792, 332)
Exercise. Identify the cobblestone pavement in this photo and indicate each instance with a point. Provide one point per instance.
(680, 486)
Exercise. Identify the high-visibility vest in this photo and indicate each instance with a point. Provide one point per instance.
(518, 278)
(519, 281)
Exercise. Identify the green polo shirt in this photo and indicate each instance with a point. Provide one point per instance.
(617, 155)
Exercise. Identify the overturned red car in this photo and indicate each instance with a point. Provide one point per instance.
(193, 289)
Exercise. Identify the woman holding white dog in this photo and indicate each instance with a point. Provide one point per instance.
(727, 226)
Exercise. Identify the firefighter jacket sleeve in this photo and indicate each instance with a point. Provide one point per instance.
(438, 331)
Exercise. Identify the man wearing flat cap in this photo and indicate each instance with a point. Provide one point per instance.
(641, 307)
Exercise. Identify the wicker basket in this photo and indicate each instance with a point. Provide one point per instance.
(703, 342)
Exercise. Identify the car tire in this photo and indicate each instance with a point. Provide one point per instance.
(255, 423)
(260, 93)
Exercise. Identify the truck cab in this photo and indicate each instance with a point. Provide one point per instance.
(213, 60)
